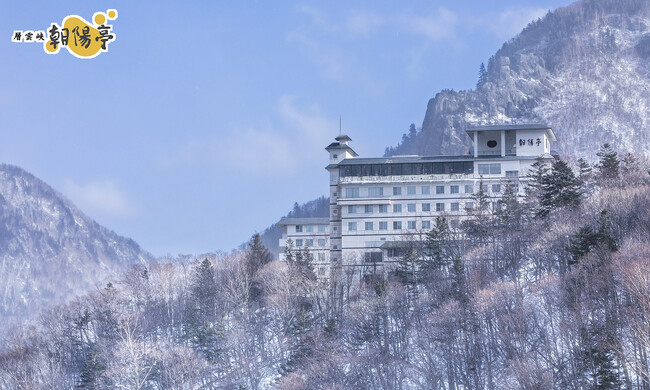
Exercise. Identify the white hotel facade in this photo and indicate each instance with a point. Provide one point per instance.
(378, 203)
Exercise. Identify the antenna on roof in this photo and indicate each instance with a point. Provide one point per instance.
(340, 127)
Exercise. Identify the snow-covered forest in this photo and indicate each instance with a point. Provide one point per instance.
(547, 292)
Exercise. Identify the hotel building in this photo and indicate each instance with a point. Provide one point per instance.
(376, 204)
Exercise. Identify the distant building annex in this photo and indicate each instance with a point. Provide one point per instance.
(378, 204)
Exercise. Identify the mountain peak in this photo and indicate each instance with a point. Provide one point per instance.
(582, 69)
(49, 250)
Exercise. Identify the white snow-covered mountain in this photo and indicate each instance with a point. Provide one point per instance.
(582, 69)
(49, 250)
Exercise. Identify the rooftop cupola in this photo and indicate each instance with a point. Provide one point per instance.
(340, 150)
(343, 139)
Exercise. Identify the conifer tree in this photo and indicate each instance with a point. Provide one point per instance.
(257, 256)
(608, 166)
(559, 188)
(482, 76)
(630, 163)
(289, 251)
(408, 272)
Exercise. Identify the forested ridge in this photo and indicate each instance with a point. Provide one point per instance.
(547, 292)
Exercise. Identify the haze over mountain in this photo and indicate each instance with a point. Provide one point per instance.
(50, 250)
(582, 69)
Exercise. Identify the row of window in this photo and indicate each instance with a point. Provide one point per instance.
(430, 168)
(309, 242)
(396, 225)
(373, 192)
(410, 207)
(310, 228)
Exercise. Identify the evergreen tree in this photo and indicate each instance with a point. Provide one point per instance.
(437, 256)
(482, 76)
(539, 170)
(256, 257)
(559, 188)
(92, 370)
(408, 272)
(587, 239)
(481, 200)
(201, 327)
(585, 176)
(630, 163)
(511, 213)
(289, 251)
(608, 166)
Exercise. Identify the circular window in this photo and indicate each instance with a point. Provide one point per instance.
(492, 143)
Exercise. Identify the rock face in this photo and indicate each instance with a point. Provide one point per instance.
(583, 69)
(49, 250)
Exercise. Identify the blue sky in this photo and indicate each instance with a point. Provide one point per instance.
(206, 120)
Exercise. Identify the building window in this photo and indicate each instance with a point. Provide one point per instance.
(397, 208)
(383, 225)
(298, 243)
(411, 225)
(335, 211)
(426, 206)
(321, 257)
(496, 206)
(426, 225)
(352, 192)
(455, 206)
(298, 228)
(309, 242)
(335, 247)
(440, 207)
(352, 226)
(321, 228)
(309, 228)
(397, 190)
(469, 188)
(375, 191)
(321, 242)
(489, 169)
(496, 188)
(512, 173)
(352, 209)
(410, 190)
(335, 228)
(335, 194)
(397, 225)
(440, 189)
(383, 208)
(369, 226)
(368, 209)
(373, 257)
(453, 189)
(410, 207)
(335, 156)
(469, 205)
(485, 188)
(425, 190)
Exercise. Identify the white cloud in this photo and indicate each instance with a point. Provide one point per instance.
(99, 197)
(282, 146)
(436, 27)
(511, 21)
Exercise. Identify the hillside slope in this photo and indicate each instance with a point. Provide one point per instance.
(49, 250)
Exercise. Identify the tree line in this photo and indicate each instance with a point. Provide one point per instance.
(551, 291)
